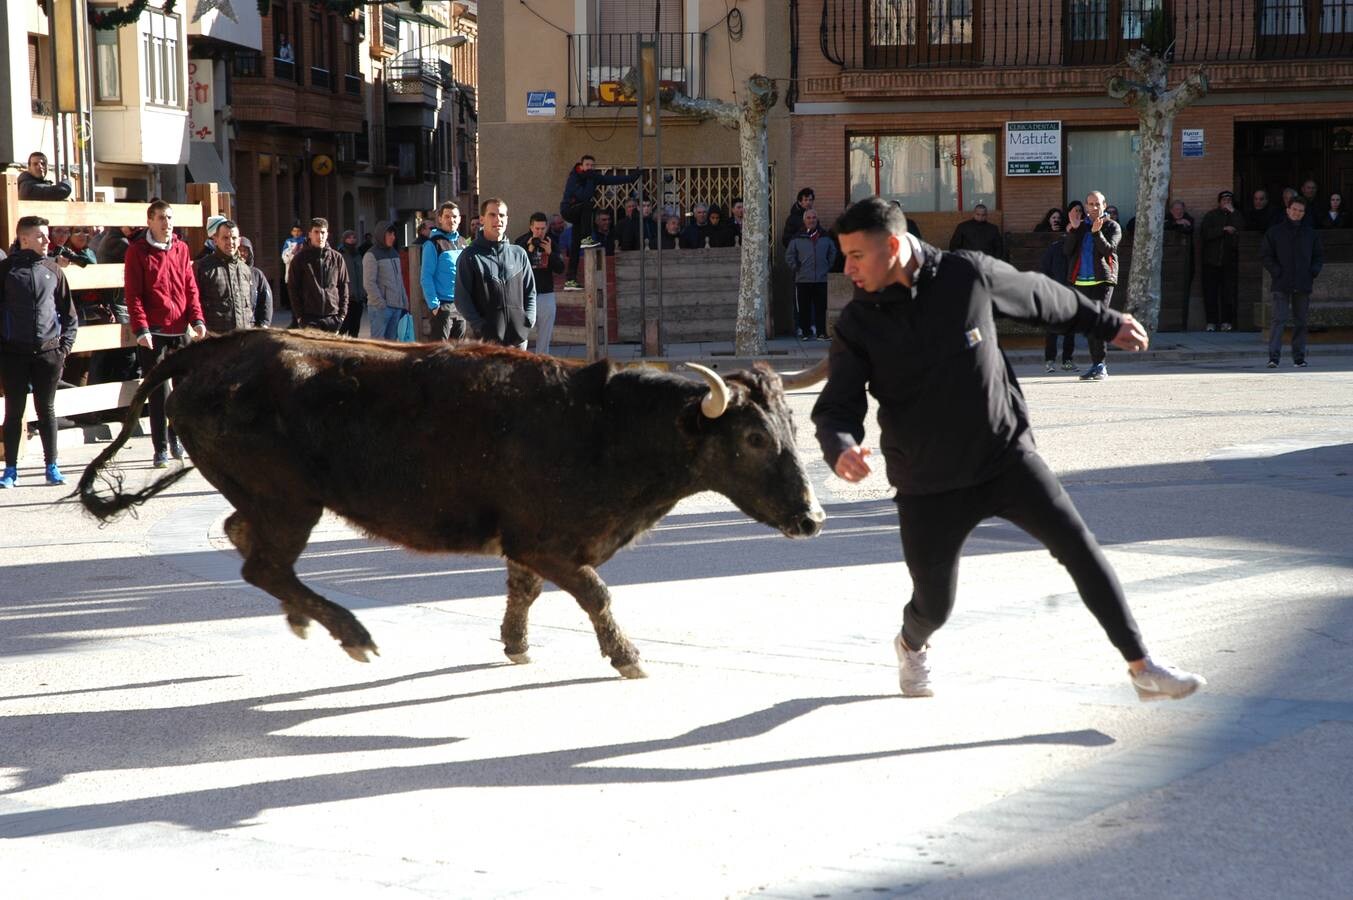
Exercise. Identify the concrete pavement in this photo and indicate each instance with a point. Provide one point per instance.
(163, 734)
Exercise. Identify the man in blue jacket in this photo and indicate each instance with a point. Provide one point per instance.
(441, 252)
(495, 288)
(579, 204)
(920, 335)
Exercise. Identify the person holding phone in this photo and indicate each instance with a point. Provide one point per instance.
(1091, 249)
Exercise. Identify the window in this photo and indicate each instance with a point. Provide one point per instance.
(1282, 17)
(925, 172)
(633, 16)
(1299, 29)
(160, 52)
(1103, 31)
(107, 66)
(920, 32)
(1104, 161)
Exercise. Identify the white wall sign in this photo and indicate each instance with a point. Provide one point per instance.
(1191, 143)
(540, 103)
(201, 111)
(1033, 148)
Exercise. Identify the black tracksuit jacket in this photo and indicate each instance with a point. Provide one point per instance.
(950, 410)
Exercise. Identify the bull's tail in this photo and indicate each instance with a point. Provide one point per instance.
(107, 507)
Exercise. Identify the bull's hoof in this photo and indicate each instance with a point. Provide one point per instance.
(300, 629)
(631, 670)
(519, 659)
(360, 653)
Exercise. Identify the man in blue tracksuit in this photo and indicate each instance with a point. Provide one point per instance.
(438, 276)
(495, 288)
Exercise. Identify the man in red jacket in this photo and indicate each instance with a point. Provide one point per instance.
(165, 311)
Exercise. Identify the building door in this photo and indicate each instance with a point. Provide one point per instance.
(1275, 155)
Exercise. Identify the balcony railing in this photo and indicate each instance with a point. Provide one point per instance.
(319, 77)
(283, 69)
(902, 34)
(597, 63)
(352, 84)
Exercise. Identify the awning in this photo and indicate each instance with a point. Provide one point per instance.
(204, 165)
(433, 13)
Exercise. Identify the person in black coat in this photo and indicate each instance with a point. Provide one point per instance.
(794, 221)
(35, 185)
(978, 234)
(1291, 252)
(1334, 216)
(579, 205)
(920, 336)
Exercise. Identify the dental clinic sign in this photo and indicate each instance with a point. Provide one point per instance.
(1033, 148)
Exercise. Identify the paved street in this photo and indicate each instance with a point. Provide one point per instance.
(162, 733)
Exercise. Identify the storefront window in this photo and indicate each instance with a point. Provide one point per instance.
(1104, 161)
(925, 172)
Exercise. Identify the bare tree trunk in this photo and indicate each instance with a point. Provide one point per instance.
(749, 118)
(1156, 109)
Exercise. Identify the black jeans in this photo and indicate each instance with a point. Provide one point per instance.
(1027, 493)
(812, 297)
(160, 347)
(580, 216)
(41, 370)
(1103, 293)
(352, 322)
(1050, 345)
(1219, 293)
(448, 324)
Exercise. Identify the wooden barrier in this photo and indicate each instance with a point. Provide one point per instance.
(205, 201)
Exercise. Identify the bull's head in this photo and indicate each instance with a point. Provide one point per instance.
(748, 451)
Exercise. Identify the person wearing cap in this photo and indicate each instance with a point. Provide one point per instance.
(352, 323)
(1221, 262)
(213, 223)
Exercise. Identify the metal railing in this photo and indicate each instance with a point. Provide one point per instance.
(891, 34)
(284, 69)
(598, 62)
(688, 186)
(352, 84)
(319, 77)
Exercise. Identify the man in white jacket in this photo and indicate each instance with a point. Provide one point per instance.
(383, 278)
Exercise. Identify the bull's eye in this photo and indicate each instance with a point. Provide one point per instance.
(757, 440)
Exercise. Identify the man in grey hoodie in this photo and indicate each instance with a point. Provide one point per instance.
(383, 278)
(34, 184)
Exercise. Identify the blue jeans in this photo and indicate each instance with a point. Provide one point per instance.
(385, 322)
(545, 312)
(1292, 305)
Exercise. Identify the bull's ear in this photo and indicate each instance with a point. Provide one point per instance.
(589, 382)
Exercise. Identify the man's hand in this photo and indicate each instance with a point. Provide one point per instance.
(143, 340)
(547, 245)
(1131, 335)
(1097, 224)
(851, 466)
(197, 331)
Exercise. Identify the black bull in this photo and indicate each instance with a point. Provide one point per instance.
(552, 465)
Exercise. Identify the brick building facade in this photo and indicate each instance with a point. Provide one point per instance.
(911, 99)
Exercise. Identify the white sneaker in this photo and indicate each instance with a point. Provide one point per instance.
(1050, 367)
(913, 672)
(588, 243)
(1162, 681)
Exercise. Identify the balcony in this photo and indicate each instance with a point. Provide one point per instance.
(418, 81)
(598, 62)
(265, 91)
(887, 34)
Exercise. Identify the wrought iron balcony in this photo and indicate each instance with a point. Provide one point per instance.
(598, 62)
(905, 34)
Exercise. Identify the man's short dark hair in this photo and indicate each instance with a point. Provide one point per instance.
(587, 156)
(156, 205)
(30, 223)
(492, 201)
(734, 202)
(318, 222)
(873, 215)
(1298, 199)
(39, 154)
(805, 192)
(228, 224)
(540, 217)
(449, 204)
(981, 206)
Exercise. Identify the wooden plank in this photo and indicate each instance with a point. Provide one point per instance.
(76, 401)
(94, 278)
(64, 212)
(103, 337)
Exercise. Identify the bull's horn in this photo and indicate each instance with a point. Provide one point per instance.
(716, 401)
(807, 378)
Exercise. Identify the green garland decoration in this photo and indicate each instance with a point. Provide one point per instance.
(105, 19)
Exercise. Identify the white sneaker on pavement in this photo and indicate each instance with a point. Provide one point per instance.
(913, 672)
(1162, 681)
